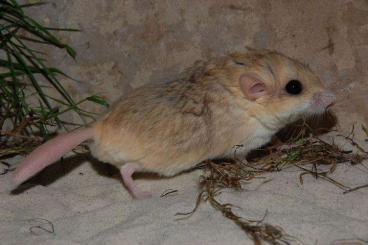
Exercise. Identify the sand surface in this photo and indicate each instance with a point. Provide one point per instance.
(87, 206)
(125, 44)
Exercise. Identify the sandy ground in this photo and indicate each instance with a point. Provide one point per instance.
(124, 44)
(88, 205)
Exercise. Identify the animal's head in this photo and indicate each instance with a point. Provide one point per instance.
(278, 89)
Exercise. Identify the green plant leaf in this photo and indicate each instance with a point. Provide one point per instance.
(71, 51)
(32, 4)
(99, 100)
(62, 29)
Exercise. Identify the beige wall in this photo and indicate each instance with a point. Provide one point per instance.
(126, 43)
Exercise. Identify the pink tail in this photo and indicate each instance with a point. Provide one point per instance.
(48, 153)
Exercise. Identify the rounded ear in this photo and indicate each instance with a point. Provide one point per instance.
(252, 86)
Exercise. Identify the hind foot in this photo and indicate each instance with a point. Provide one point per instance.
(126, 171)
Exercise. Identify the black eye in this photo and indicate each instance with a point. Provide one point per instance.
(294, 87)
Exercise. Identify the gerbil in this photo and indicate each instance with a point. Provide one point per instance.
(240, 99)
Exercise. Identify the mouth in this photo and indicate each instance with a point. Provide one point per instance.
(324, 100)
(330, 105)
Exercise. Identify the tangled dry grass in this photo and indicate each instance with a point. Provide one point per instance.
(303, 150)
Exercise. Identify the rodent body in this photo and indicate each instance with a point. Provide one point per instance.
(170, 134)
(241, 99)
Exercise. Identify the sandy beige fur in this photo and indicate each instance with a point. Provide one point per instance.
(170, 127)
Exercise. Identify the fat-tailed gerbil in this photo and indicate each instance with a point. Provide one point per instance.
(240, 99)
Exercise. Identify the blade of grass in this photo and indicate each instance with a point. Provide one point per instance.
(33, 40)
(99, 100)
(77, 103)
(15, 90)
(62, 29)
(7, 27)
(10, 74)
(31, 4)
(33, 50)
(51, 78)
(6, 38)
(34, 82)
(47, 36)
(38, 30)
(45, 72)
(33, 69)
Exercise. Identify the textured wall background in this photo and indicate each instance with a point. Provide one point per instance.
(127, 43)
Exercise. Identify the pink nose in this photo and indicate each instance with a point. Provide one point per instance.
(326, 99)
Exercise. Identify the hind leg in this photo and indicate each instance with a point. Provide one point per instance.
(126, 171)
